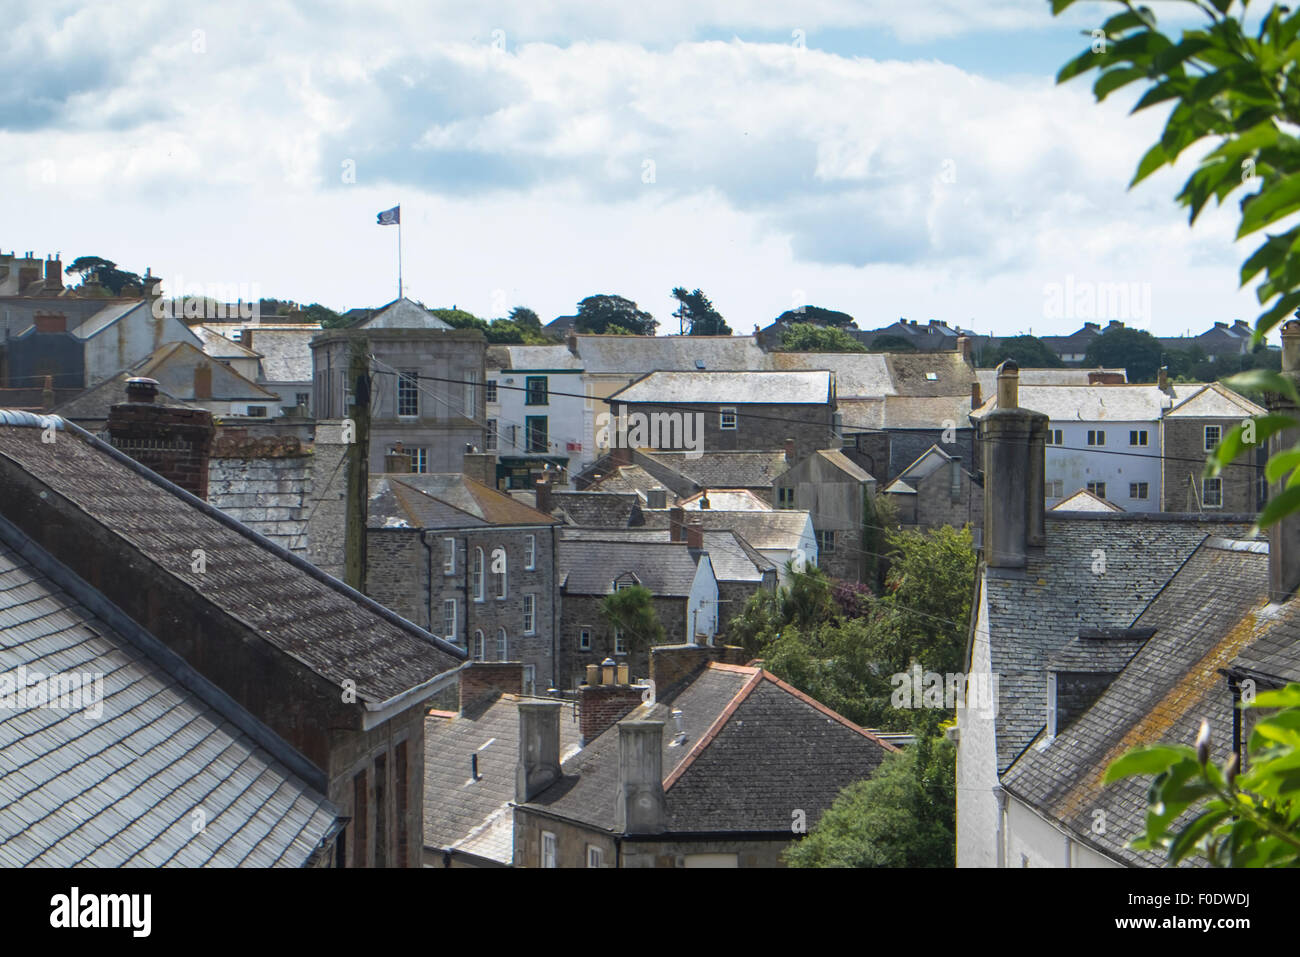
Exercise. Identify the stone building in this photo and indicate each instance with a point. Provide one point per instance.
(936, 489)
(1190, 431)
(469, 564)
(838, 495)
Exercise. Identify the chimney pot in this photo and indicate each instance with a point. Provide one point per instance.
(1009, 385)
(141, 389)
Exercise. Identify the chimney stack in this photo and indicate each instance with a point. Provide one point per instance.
(1162, 381)
(1284, 536)
(607, 697)
(789, 451)
(640, 805)
(398, 461)
(963, 348)
(539, 748)
(695, 535)
(1014, 442)
(53, 275)
(174, 442)
(545, 503)
(50, 321)
(976, 400)
(677, 524)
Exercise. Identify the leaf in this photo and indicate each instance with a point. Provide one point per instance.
(1150, 760)
(1155, 158)
(1262, 380)
(1112, 80)
(1270, 204)
(1188, 837)
(1288, 697)
(1281, 464)
(1280, 507)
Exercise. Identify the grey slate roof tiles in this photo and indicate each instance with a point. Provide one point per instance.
(590, 567)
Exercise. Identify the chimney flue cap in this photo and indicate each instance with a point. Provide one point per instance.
(141, 389)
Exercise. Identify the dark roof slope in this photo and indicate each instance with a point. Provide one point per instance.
(725, 469)
(327, 627)
(1211, 610)
(590, 567)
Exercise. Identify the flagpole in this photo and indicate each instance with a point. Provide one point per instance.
(399, 252)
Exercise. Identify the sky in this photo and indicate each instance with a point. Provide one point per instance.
(891, 160)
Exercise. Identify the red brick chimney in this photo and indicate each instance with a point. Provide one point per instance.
(677, 524)
(50, 322)
(203, 381)
(602, 703)
(976, 399)
(695, 535)
(480, 679)
(174, 442)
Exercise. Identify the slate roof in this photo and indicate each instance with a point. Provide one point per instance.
(285, 352)
(1089, 403)
(930, 374)
(754, 470)
(1032, 616)
(988, 378)
(856, 373)
(1093, 653)
(597, 509)
(121, 789)
(1085, 501)
(590, 567)
(1212, 609)
(173, 365)
(460, 813)
(93, 404)
(398, 314)
(733, 558)
(637, 355)
(524, 358)
(740, 388)
(727, 500)
(755, 750)
(313, 618)
(628, 479)
(444, 500)
(782, 529)
(269, 495)
(1215, 401)
(219, 347)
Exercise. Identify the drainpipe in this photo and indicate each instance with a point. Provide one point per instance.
(999, 833)
(1234, 686)
(428, 550)
(555, 607)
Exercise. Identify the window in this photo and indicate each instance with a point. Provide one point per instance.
(826, 541)
(400, 771)
(530, 552)
(620, 642)
(490, 435)
(1096, 437)
(303, 399)
(359, 816)
(1212, 489)
(449, 556)
(478, 651)
(257, 411)
(476, 575)
(595, 856)
(419, 458)
(784, 497)
(1055, 437)
(530, 679)
(535, 390)
(501, 575)
(530, 614)
(535, 427)
(1138, 489)
(1054, 488)
(584, 639)
(503, 645)
(1213, 433)
(449, 619)
(727, 420)
(471, 394)
(1137, 437)
(408, 392)
(491, 390)
(381, 811)
(1097, 488)
(548, 849)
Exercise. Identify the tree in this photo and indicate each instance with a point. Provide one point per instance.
(904, 815)
(104, 272)
(1135, 350)
(817, 316)
(327, 317)
(631, 611)
(1236, 94)
(697, 315)
(525, 318)
(1235, 820)
(1028, 352)
(892, 343)
(604, 313)
(805, 337)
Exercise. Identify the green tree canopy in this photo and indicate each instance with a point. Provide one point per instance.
(525, 318)
(1029, 352)
(105, 272)
(1135, 350)
(631, 610)
(605, 313)
(697, 315)
(892, 343)
(904, 815)
(805, 337)
(817, 316)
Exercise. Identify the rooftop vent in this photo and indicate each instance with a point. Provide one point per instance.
(699, 363)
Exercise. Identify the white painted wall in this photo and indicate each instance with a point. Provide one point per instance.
(1077, 465)
(1033, 841)
(978, 814)
(565, 415)
(702, 607)
(135, 336)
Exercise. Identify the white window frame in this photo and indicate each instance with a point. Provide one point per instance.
(584, 639)
(1218, 437)
(1143, 487)
(471, 394)
(530, 552)
(1094, 486)
(490, 435)
(530, 679)
(478, 574)
(550, 850)
(595, 856)
(503, 587)
(530, 614)
(408, 388)
(722, 419)
(479, 650)
(503, 645)
(449, 556)
(419, 459)
(620, 642)
(1205, 492)
(450, 613)
(490, 395)
(1054, 488)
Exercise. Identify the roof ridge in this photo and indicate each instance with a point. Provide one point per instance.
(828, 711)
(718, 723)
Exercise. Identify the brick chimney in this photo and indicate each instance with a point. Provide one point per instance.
(53, 275)
(789, 451)
(1162, 381)
(1014, 442)
(174, 442)
(481, 467)
(640, 806)
(1284, 536)
(677, 524)
(545, 501)
(963, 348)
(480, 679)
(606, 698)
(976, 400)
(50, 322)
(398, 461)
(695, 535)
(203, 381)
(539, 748)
